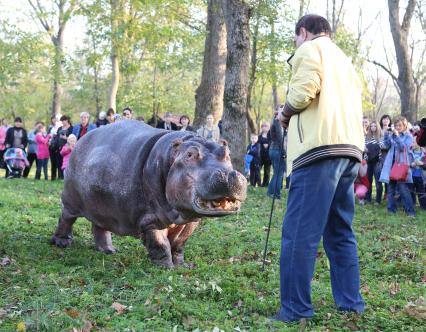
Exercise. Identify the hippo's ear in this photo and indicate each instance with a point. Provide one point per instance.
(175, 148)
(223, 142)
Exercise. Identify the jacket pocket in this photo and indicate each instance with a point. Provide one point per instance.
(299, 128)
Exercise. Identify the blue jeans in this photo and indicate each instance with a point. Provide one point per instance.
(279, 167)
(373, 170)
(320, 204)
(41, 163)
(405, 195)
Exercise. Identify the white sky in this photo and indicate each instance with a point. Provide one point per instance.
(376, 37)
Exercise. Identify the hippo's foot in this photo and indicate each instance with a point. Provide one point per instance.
(61, 242)
(63, 234)
(164, 263)
(178, 257)
(103, 241)
(107, 249)
(158, 246)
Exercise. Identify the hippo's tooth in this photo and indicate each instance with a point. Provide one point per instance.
(216, 203)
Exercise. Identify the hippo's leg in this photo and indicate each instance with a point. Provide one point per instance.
(63, 234)
(103, 240)
(177, 237)
(158, 246)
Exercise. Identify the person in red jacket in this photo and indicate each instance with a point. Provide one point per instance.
(362, 185)
(42, 140)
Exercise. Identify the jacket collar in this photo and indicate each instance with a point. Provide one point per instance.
(292, 55)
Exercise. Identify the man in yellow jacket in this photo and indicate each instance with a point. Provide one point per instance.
(323, 114)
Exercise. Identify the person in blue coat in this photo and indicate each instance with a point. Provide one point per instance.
(398, 142)
(84, 126)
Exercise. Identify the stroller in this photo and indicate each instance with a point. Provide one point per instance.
(16, 161)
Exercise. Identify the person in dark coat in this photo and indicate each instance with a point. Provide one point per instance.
(254, 150)
(185, 123)
(16, 137)
(265, 162)
(167, 123)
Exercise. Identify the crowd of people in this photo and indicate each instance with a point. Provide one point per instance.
(394, 162)
(387, 144)
(56, 141)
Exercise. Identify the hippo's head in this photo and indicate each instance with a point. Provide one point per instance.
(201, 180)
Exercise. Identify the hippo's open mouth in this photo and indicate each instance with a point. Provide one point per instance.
(219, 206)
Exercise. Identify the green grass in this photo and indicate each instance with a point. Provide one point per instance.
(51, 289)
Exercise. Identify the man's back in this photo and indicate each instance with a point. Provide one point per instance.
(325, 91)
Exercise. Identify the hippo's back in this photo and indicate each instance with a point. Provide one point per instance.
(104, 174)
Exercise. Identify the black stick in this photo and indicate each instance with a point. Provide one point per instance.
(273, 202)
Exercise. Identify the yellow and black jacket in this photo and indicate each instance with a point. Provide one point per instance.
(325, 105)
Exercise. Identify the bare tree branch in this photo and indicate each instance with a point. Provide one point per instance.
(40, 13)
(408, 15)
(384, 68)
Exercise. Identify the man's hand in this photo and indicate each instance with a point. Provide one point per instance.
(282, 117)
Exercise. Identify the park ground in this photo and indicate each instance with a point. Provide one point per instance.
(44, 288)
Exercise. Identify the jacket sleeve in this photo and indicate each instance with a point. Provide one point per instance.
(9, 138)
(305, 83)
(387, 142)
(64, 151)
(24, 138)
(406, 141)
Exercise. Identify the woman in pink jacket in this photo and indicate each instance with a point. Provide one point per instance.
(3, 130)
(67, 149)
(42, 140)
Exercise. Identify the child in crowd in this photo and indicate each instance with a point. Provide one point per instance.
(417, 166)
(67, 149)
(254, 150)
(42, 140)
(362, 184)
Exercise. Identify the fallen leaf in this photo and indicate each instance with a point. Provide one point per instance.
(119, 308)
(3, 313)
(87, 327)
(72, 313)
(187, 321)
(394, 289)
(416, 309)
(5, 261)
(20, 327)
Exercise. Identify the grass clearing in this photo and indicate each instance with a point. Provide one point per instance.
(45, 288)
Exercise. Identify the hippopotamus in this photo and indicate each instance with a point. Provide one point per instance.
(128, 178)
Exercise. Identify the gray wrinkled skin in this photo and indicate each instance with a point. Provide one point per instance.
(131, 179)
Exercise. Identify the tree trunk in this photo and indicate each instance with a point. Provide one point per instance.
(274, 71)
(405, 79)
(96, 87)
(209, 95)
(236, 81)
(115, 68)
(252, 80)
(302, 8)
(58, 71)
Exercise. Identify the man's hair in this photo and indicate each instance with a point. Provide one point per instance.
(84, 114)
(110, 111)
(314, 24)
(18, 119)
